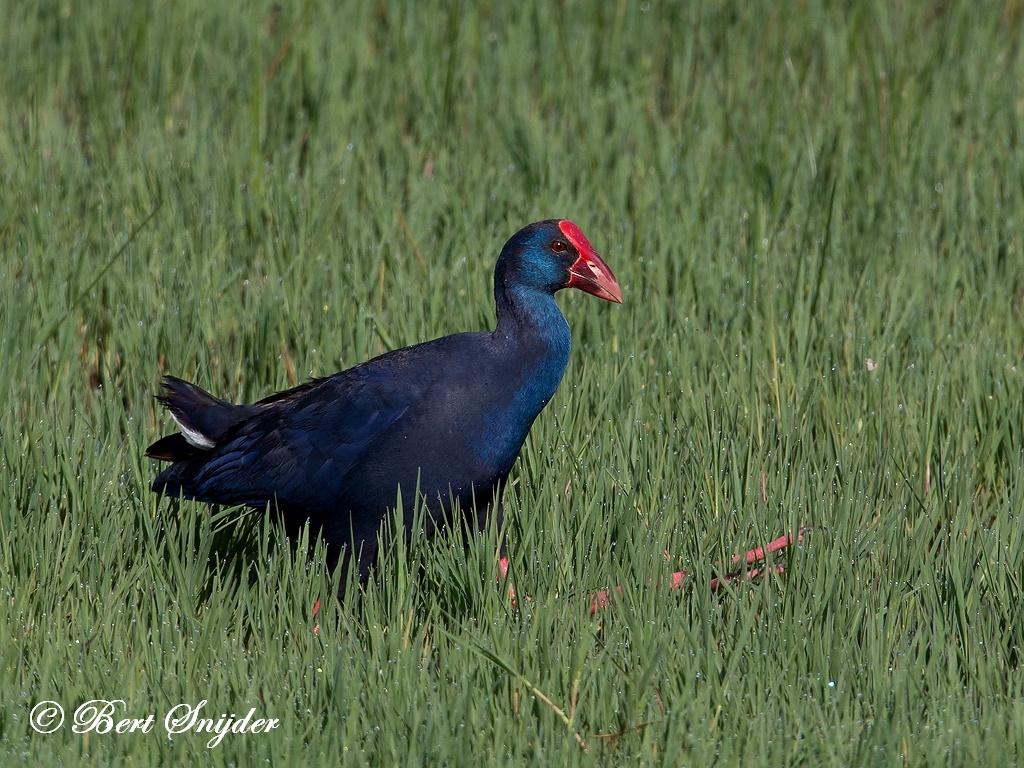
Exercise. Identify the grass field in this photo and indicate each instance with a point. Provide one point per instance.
(816, 213)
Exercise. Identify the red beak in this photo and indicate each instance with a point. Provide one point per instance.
(589, 273)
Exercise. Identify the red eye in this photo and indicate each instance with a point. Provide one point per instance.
(559, 247)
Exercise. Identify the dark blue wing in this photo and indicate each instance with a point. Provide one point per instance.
(297, 448)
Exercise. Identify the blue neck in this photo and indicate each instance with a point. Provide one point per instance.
(537, 340)
(533, 326)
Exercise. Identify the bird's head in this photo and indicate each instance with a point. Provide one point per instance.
(554, 254)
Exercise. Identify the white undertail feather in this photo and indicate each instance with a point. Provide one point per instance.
(193, 437)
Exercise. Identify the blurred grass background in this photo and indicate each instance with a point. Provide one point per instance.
(815, 211)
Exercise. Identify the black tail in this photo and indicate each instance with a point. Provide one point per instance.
(202, 418)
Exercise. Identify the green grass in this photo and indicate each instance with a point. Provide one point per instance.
(785, 193)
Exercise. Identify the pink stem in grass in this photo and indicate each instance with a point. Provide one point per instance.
(602, 598)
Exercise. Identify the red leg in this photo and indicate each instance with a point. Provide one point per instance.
(503, 576)
(601, 599)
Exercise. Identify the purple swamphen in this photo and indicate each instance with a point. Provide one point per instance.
(447, 417)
